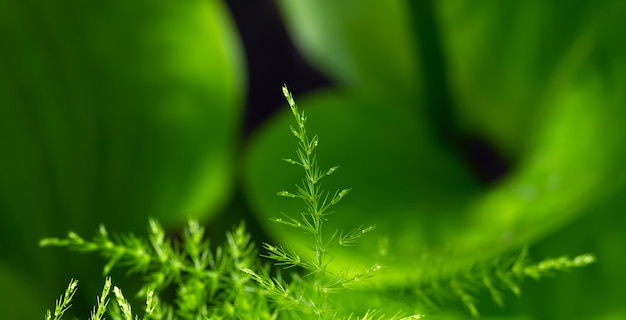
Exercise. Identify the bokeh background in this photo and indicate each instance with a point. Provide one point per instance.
(465, 130)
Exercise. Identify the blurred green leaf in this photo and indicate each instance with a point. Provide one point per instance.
(540, 83)
(17, 289)
(505, 59)
(353, 40)
(113, 112)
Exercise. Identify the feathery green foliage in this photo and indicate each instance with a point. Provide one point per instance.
(63, 303)
(230, 281)
(208, 283)
(501, 273)
(311, 294)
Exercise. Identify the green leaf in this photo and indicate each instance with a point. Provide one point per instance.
(112, 112)
(505, 59)
(553, 110)
(351, 40)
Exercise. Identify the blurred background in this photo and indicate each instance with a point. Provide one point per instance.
(465, 130)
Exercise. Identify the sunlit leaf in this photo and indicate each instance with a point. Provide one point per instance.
(113, 112)
(540, 84)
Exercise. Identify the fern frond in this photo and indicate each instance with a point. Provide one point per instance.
(311, 294)
(208, 284)
(64, 302)
(501, 273)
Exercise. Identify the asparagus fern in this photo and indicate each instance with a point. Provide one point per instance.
(231, 281)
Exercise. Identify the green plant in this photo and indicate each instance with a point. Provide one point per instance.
(494, 276)
(123, 310)
(207, 283)
(230, 281)
(314, 295)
